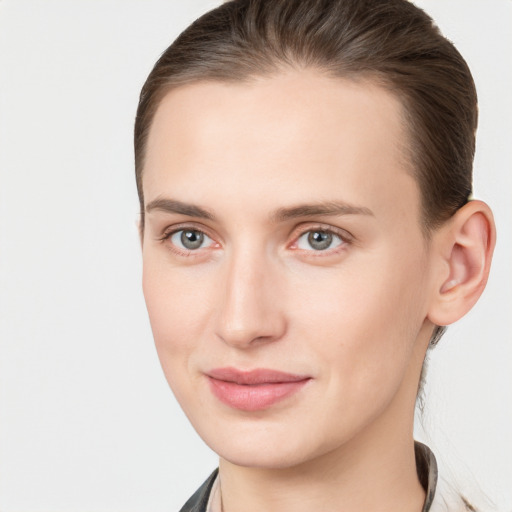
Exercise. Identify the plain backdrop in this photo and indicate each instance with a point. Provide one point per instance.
(87, 423)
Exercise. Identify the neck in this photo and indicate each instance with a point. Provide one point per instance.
(374, 471)
(370, 477)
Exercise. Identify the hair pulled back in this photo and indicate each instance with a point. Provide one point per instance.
(390, 42)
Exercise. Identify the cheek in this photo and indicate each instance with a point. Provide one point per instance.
(364, 322)
(177, 313)
(174, 308)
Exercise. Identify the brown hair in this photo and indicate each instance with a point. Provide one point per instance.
(391, 42)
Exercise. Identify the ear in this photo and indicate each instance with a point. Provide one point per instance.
(464, 250)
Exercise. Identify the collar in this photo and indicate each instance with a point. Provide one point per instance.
(426, 466)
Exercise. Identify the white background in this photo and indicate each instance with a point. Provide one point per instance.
(86, 420)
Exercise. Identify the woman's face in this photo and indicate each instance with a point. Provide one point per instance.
(285, 271)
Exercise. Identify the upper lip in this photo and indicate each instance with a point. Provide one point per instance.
(256, 376)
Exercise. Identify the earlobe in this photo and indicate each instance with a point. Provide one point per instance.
(466, 247)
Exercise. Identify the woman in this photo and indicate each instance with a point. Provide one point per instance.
(304, 174)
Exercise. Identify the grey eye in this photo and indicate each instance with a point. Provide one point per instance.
(189, 239)
(318, 240)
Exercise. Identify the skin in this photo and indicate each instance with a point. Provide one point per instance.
(356, 317)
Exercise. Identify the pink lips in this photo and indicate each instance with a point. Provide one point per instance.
(253, 390)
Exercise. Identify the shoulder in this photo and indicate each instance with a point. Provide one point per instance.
(449, 497)
(441, 496)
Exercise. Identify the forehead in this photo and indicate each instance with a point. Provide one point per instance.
(298, 136)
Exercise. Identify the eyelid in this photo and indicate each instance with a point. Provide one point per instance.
(183, 226)
(297, 232)
(169, 231)
(345, 236)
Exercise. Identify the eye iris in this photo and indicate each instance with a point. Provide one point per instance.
(192, 239)
(319, 240)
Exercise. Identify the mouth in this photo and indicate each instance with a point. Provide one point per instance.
(254, 390)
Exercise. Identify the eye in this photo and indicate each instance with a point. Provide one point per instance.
(190, 239)
(318, 240)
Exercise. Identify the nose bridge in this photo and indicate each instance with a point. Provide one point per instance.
(249, 310)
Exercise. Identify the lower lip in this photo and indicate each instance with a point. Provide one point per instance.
(255, 397)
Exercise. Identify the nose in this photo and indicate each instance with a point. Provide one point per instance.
(251, 310)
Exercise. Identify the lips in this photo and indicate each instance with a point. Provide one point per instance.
(254, 390)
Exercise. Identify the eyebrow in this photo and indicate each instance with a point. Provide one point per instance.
(319, 209)
(173, 206)
(327, 208)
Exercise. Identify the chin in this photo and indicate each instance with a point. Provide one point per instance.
(263, 447)
(263, 459)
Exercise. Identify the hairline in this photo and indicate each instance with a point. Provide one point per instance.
(371, 77)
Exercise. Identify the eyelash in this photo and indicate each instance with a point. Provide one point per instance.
(169, 233)
(344, 237)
